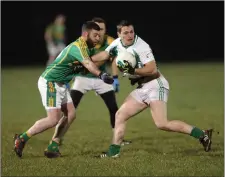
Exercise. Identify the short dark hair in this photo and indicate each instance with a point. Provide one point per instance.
(98, 20)
(122, 24)
(89, 25)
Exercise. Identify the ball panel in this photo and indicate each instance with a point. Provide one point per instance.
(127, 56)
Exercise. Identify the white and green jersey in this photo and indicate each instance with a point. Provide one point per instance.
(140, 49)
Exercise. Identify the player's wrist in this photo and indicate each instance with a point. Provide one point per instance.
(100, 74)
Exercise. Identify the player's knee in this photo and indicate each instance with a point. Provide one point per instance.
(53, 117)
(162, 125)
(76, 97)
(71, 116)
(120, 117)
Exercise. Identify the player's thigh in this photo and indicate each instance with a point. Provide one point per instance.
(52, 94)
(67, 105)
(157, 99)
(130, 108)
(157, 89)
(158, 110)
(82, 84)
(155, 94)
(51, 97)
(101, 87)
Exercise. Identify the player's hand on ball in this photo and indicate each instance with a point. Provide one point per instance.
(106, 78)
(126, 68)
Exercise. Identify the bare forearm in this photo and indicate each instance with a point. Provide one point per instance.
(91, 67)
(101, 56)
(114, 68)
(99, 63)
(145, 71)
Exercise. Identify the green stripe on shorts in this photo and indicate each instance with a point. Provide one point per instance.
(51, 95)
(161, 89)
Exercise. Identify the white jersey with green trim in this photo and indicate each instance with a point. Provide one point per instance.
(140, 49)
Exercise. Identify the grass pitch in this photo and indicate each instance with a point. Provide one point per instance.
(196, 97)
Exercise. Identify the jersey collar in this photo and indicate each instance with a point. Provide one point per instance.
(135, 40)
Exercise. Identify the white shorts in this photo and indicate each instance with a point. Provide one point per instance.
(54, 50)
(85, 84)
(53, 95)
(157, 89)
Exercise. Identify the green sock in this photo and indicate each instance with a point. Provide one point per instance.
(113, 150)
(53, 146)
(25, 136)
(196, 132)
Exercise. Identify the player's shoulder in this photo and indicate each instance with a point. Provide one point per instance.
(79, 43)
(109, 39)
(115, 42)
(141, 44)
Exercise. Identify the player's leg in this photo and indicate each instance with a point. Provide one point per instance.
(159, 115)
(107, 93)
(129, 108)
(52, 151)
(69, 116)
(79, 87)
(157, 100)
(51, 101)
(52, 52)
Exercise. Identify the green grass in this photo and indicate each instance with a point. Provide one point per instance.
(196, 97)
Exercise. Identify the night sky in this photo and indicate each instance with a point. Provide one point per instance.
(176, 31)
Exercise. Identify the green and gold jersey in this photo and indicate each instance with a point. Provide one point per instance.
(98, 48)
(62, 69)
(57, 32)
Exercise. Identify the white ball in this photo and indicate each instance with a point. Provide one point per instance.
(127, 56)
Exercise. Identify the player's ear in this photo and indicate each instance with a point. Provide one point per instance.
(118, 34)
(85, 33)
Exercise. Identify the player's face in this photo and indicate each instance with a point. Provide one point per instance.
(127, 35)
(102, 31)
(60, 20)
(93, 38)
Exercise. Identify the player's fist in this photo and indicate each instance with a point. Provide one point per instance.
(78, 68)
(106, 78)
(126, 68)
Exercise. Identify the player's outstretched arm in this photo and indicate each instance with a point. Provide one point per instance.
(114, 68)
(87, 63)
(101, 56)
(48, 35)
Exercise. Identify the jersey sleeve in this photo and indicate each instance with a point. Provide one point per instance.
(110, 40)
(145, 54)
(79, 52)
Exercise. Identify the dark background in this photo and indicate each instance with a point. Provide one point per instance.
(176, 31)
